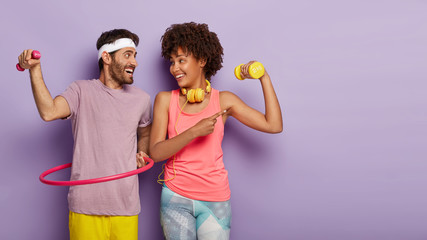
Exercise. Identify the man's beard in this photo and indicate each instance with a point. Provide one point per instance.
(118, 73)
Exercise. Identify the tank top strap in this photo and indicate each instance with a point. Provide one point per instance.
(215, 100)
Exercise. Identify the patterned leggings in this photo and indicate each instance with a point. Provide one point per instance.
(184, 218)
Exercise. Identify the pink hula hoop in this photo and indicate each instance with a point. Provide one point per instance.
(93, 180)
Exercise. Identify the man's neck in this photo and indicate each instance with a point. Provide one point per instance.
(106, 79)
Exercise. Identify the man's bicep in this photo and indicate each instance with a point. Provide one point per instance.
(144, 131)
(62, 109)
(143, 138)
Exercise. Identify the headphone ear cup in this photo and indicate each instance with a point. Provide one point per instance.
(190, 96)
(199, 95)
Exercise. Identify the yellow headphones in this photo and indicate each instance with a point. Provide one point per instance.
(196, 95)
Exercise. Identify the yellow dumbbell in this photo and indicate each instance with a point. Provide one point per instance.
(256, 70)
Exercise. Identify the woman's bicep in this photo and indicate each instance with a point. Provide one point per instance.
(244, 113)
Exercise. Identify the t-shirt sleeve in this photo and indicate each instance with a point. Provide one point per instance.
(72, 95)
(146, 114)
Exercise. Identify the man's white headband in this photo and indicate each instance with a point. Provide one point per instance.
(118, 44)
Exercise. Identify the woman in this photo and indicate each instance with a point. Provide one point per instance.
(188, 128)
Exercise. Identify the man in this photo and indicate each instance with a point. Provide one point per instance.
(111, 122)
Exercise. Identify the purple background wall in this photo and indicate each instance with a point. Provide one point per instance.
(350, 77)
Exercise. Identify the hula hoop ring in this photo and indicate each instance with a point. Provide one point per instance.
(93, 180)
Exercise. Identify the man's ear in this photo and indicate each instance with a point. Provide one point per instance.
(106, 57)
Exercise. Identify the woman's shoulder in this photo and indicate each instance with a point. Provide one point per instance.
(228, 99)
(226, 95)
(164, 93)
(163, 97)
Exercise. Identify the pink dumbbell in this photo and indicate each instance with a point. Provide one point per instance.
(35, 55)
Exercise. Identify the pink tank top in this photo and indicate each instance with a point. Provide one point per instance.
(200, 172)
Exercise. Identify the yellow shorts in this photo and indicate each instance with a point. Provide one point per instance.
(83, 227)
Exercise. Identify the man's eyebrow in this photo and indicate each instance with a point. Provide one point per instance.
(131, 51)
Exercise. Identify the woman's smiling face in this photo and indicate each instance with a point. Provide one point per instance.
(186, 69)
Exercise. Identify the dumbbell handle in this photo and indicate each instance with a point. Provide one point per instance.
(35, 55)
(256, 70)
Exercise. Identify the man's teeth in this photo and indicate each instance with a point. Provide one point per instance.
(129, 70)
